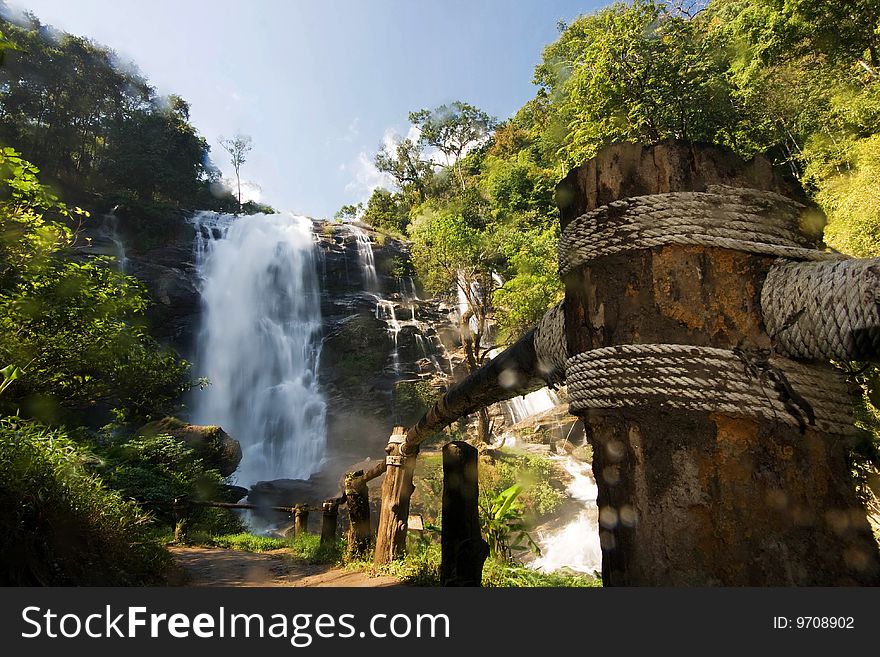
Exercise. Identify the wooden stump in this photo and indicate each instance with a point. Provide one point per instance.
(463, 549)
(181, 519)
(357, 500)
(300, 520)
(329, 517)
(397, 488)
(693, 497)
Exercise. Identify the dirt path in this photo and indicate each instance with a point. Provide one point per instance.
(219, 567)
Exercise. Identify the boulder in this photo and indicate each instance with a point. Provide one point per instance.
(213, 445)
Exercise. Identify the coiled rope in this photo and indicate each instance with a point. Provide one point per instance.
(733, 382)
(748, 220)
(824, 310)
(551, 347)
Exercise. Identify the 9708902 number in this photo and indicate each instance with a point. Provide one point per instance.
(824, 622)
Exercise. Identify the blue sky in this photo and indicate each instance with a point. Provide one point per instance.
(319, 84)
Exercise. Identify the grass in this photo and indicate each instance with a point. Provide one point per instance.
(61, 524)
(305, 547)
(421, 567)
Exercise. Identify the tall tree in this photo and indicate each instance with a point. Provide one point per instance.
(406, 164)
(453, 130)
(238, 147)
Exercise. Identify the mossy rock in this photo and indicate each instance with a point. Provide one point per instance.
(215, 447)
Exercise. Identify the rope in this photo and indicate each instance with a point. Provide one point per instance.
(551, 347)
(827, 310)
(749, 220)
(734, 382)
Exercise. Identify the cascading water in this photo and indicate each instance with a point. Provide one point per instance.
(110, 231)
(385, 312)
(365, 256)
(575, 545)
(260, 341)
(521, 408)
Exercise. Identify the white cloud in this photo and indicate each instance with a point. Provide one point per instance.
(350, 134)
(365, 176)
(250, 191)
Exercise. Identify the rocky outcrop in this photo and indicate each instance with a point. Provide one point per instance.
(215, 447)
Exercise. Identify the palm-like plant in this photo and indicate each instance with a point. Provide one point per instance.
(501, 519)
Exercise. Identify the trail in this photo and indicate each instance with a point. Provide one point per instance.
(201, 566)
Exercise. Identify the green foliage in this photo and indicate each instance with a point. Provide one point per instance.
(411, 400)
(248, 542)
(97, 128)
(155, 470)
(61, 524)
(501, 519)
(534, 473)
(386, 211)
(504, 574)
(634, 72)
(71, 325)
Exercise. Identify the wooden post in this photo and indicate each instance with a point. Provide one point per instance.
(463, 549)
(690, 497)
(397, 488)
(181, 519)
(329, 515)
(357, 500)
(300, 520)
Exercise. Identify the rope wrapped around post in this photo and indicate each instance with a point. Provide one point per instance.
(824, 310)
(735, 382)
(719, 459)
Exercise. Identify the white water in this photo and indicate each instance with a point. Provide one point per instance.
(575, 545)
(385, 312)
(260, 341)
(110, 231)
(520, 408)
(366, 259)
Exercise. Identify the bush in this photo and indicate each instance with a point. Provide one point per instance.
(539, 497)
(61, 524)
(157, 469)
(501, 574)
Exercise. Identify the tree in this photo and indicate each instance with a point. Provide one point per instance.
(406, 165)
(451, 254)
(635, 72)
(72, 327)
(237, 147)
(453, 129)
(387, 211)
(349, 212)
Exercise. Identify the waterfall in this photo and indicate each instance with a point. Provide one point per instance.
(260, 341)
(385, 312)
(520, 408)
(365, 256)
(575, 545)
(110, 231)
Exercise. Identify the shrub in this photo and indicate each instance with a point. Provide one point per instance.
(157, 469)
(61, 525)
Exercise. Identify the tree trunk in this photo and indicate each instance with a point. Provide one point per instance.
(463, 549)
(693, 497)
